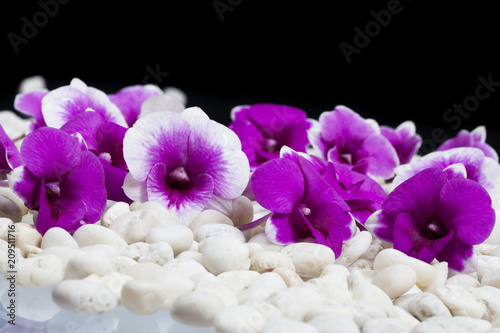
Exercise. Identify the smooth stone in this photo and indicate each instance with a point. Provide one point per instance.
(288, 275)
(253, 248)
(39, 271)
(361, 264)
(84, 297)
(330, 290)
(196, 308)
(242, 212)
(486, 264)
(58, 237)
(10, 209)
(91, 234)
(26, 234)
(491, 278)
(179, 237)
(121, 263)
(192, 255)
(237, 281)
(465, 281)
(286, 325)
(63, 253)
(234, 254)
(31, 251)
(82, 266)
(136, 250)
(353, 248)
(370, 293)
(426, 305)
(395, 280)
(114, 281)
(261, 239)
(390, 324)
(144, 270)
(217, 230)
(175, 285)
(117, 209)
(365, 311)
(203, 277)
(426, 274)
(226, 294)
(490, 298)
(8, 193)
(239, 318)
(184, 267)
(143, 297)
(441, 277)
(334, 307)
(210, 216)
(460, 301)
(102, 250)
(266, 261)
(262, 287)
(337, 274)
(404, 318)
(159, 253)
(447, 324)
(5, 224)
(309, 259)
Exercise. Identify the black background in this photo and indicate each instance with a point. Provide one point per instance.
(426, 59)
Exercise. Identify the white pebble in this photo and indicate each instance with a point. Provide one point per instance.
(5, 224)
(337, 274)
(27, 235)
(370, 293)
(266, 261)
(486, 264)
(121, 263)
(334, 323)
(196, 308)
(441, 277)
(58, 237)
(253, 248)
(288, 275)
(203, 277)
(40, 271)
(361, 264)
(92, 234)
(216, 230)
(261, 239)
(193, 255)
(144, 270)
(31, 251)
(234, 255)
(326, 288)
(226, 294)
(465, 281)
(365, 311)
(395, 280)
(143, 297)
(426, 274)
(491, 278)
(446, 324)
(10, 209)
(210, 216)
(262, 287)
(117, 209)
(185, 267)
(81, 266)
(286, 325)
(179, 237)
(309, 259)
(160, 254)
(102, 250)
(426, 305)
(8, 193)
(353, 248)
(63, 253)
(460, 301)
(84, 297)
(242, 212)
(490, 298)
(240, 318)
(176, 285)
(237, 281)
(114, 281)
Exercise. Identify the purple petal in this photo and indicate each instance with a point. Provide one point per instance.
(278, 185)
(466, 208)
(184, 204)
(273, 118)
(459, 256)
(86, 123)
(30, 104)
(251, 139)
(113, 180)
(455, 171)
(62, 104)
(129, 100)
(476, 138)
(381, 225)
(26, 185)
(109, 139)
(10, 158)
(50, 153)
(134, 189)
(377, 157)
(412, 238)
(404, 139)
(85, 182)
(283, 228)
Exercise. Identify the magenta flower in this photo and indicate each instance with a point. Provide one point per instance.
(9, 155)
(64, 182)
(129, 100)
(30, 104)
(476, 138)
(343, 136)
(436, 214)
(62, 104)
(264, 128)
(105, 140)
(304, 206)
(183, 160)
(404, 139)
(479, 167)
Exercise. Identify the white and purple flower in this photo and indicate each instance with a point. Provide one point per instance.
(436, 214)
(183, 160)
(264, 128)
(60, 179)
(476, 138)
(30, 104)
(343, 136)
(404, 139)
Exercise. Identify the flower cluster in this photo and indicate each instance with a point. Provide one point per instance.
(322, 180)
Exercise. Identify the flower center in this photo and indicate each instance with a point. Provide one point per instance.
(437, 229)
(270, 145)
(178, 179)
(52, 189)
(106, 156)
(304, 210)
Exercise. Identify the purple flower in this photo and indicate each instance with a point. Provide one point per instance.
(304, 205)
(105, 140)
(343, 136)
(476, 138)
(436, 214)
(129, 100)
(480, 168)
(64, 182)
(62, 104)
(182, 160)
(9, 155)
(30, 104)
(404, 139)
(264, 128)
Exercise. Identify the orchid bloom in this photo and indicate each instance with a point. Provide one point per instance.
(9, 155)
(62, 104)
(105, 140)
(60, 179)
(436, 214)
(30, 104)
(302, 203)
(343, 136)
(404, 139)
(183, 160)
(479, 167)
(476, 138)
(264, 128)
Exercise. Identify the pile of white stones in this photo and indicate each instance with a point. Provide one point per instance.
(211, 274)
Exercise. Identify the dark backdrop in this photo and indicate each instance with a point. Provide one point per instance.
(388, 60)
